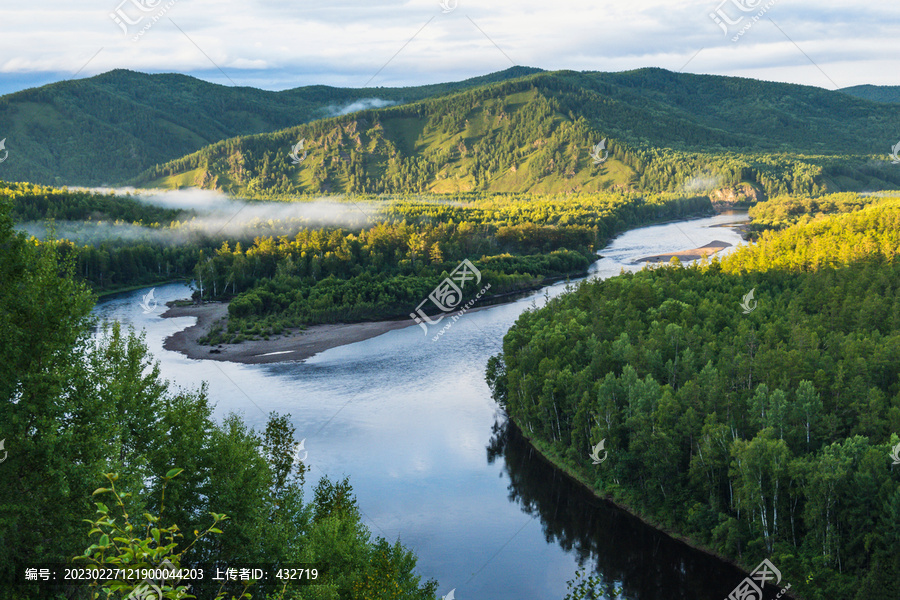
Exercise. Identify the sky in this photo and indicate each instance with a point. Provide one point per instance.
(278, 45)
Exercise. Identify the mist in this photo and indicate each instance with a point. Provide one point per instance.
(702, 182)
(211, 214)
(361, 104)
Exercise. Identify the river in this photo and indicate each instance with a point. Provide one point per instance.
(412, 423)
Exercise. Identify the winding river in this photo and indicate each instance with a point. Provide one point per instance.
(412, 423)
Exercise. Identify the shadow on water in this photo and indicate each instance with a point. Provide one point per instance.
(616, 546)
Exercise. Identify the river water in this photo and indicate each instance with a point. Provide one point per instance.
(412, 423)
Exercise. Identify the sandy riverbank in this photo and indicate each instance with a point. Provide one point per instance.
(685, 255)
(296, 345)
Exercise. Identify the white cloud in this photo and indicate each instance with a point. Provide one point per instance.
(412, 42)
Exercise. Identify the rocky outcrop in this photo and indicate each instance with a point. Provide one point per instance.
(743, 193)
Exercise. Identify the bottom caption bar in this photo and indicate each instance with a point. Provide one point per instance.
(155, 578)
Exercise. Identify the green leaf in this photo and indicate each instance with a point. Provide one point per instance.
(104, 541)
(173, 473)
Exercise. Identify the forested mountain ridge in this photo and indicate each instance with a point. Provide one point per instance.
(889, 94)
(759, 425)
(104, 130)
(664, 132)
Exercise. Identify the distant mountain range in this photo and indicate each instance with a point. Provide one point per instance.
(106, 129)
(661, 132)
(522, 129)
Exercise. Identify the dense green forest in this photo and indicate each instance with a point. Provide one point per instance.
(665, 132)
(32, 202)
(102, 130)
(77, 406)
(385, 271)
(749, 403)
(320, 274)
(516, 130)
(889, 94)
(781, 211)
(757, 426)
(114, 260)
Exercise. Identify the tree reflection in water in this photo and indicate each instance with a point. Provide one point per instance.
(616, 547)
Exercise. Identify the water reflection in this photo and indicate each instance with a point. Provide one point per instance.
(407, 419)
(623, 551)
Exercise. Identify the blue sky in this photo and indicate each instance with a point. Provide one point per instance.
(358, 43)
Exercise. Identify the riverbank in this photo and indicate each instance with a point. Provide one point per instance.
(687, 255)
(556, 462)
(294, 346)
(300, 344)
(402, 397)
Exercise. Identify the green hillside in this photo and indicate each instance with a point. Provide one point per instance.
(106, 129)
(889, 94)
(666, 132)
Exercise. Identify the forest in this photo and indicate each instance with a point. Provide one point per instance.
(755, 433)
(665, 132)
(516, 242)
(324, 274)
(77, 406)
(520, 129)
(94, 130)
(750, 403)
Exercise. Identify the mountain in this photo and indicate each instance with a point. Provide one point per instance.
(664, 131)
(108, 128)
(888, 94)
